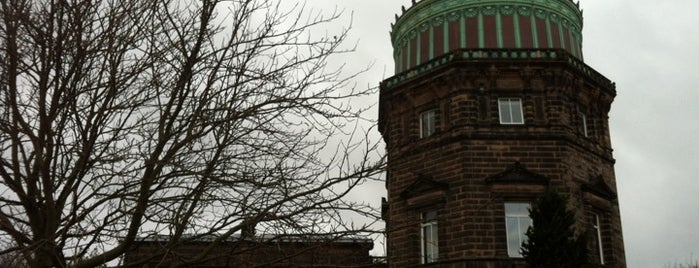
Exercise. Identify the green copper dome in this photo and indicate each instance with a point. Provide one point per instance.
(431, 28)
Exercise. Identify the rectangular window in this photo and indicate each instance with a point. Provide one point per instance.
(427, 123)
(517, 222)
(583, 121)
(430, 241)
(511, 111)
(598, 239)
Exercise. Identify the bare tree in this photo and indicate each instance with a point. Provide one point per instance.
(124, 119)
(688, 264)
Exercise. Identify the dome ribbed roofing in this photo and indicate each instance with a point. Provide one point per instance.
(431, 28)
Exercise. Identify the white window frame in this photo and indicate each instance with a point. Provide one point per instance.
(428, 123)
(506, 107)
(429, 239)
(522, 219)
(598, 232)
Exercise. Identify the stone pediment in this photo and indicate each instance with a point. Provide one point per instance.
(517, 174)
(518, 180)
(424, 191)
(599, 187)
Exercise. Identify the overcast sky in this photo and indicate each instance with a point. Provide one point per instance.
(650, 48)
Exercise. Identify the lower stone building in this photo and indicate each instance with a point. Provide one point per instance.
(261, 251)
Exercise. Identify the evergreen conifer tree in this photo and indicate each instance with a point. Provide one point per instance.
(551, 241)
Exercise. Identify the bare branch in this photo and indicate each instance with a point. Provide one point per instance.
(124, 120)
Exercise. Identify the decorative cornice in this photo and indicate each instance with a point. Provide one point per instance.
(510, 55)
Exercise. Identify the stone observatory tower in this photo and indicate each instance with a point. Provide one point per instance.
(491, 106)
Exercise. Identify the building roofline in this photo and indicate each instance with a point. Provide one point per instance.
(193, 238)
(498, 55)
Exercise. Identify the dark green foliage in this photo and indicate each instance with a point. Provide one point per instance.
(551, 240)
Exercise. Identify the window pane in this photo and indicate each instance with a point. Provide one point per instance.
(505, 116)
(430, 240)
(524, 224)
(517, 209)
(583, 118)
(435, 240)
(598, 241)
(513, 243)
(426, 237)
(516, 108)
(427, 123)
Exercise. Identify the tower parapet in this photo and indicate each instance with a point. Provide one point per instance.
(431, 28)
